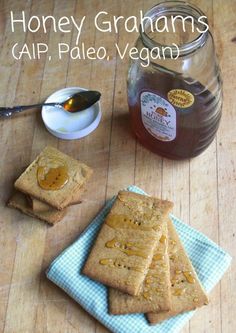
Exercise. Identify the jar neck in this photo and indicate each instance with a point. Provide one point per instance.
(174, 11)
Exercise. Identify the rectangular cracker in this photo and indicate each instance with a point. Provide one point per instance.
(155, 290)
(20, 202)
(39, 206)
(78, 174)
(187, 292)
(124, 247)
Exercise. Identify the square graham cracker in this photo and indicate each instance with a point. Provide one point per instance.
(78, 174)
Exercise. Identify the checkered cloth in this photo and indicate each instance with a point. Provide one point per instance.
(209, 260)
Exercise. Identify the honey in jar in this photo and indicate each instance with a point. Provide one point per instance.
(175, 103)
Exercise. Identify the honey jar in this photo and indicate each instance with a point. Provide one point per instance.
(175, 99)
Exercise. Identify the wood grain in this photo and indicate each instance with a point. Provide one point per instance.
(203, 189)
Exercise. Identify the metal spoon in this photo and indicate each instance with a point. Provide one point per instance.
(75, 103)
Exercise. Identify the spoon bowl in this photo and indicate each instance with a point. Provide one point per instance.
(81, 101)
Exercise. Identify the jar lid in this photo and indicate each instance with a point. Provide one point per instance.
(70, 126)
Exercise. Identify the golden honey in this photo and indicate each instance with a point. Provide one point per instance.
(189, 277)
(179, 292)
(178, 272)
(53, 179)
(158, 256)
(127, 247)
(122, 221)
(163, 239)
(119, 264)
(106, 261)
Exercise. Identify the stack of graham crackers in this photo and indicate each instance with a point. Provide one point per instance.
(51, 183)
(139, 255)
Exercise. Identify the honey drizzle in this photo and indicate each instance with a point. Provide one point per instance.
(53, 179)
(139, 221)
(173, 257)
(153, 282)
(163, 239)
(122, 221)
(128, 248)
(178, 272)
(158, 257)
(152, 217)
(178, 292)
(106, 261)
(147, 296)
(119, 264)
(152, 285)
(189, 277)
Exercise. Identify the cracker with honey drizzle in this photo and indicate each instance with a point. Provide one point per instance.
(54, 178)
(155, 290)
(187, 292)
(124, 248)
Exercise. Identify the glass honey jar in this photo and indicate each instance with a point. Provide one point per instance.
(175, 99)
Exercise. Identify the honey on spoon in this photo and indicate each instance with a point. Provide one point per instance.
(75, 103)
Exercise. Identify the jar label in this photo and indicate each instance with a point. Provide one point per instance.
(181, 98)
(158, 116)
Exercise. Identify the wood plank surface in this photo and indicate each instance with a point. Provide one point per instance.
(203, 189)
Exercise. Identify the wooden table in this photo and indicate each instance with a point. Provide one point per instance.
(203, 189)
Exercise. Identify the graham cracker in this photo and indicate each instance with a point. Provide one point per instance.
(187, 292)
(39, 206)
(126, 242)
(78, 174)
(20, 202)
(155, 290)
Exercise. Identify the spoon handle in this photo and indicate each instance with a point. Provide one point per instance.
(7, 112)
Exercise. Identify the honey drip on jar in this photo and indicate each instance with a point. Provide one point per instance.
(52, 179)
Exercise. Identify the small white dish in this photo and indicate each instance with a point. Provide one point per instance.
(70, 126)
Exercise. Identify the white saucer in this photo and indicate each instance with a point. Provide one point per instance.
(70, 126)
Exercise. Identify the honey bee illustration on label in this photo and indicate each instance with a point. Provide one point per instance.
(158, 116)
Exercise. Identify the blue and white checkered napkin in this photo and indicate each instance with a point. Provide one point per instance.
(209, 260)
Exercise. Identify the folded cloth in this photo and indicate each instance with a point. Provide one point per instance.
(209, 260)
